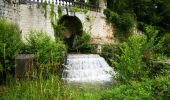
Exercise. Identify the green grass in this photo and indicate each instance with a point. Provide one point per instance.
(49, 89)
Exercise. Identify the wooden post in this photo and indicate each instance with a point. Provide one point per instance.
(24, 66)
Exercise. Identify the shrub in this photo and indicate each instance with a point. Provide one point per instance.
(164, 45)
(9, 46)
(129, 64)
(48, 53)
(82, 43)
(148, 89)
(132, 91)
(110, 52)
(136, 56)
(161, 87)
(152, 40)
(152, 50)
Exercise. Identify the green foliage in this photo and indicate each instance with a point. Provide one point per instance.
(93, 2)
(118, 6)
(134, 60)
(137, 56)
(77, 9)
(148, 89)
(59, 12)
(157, 88)
(44, 6)
(124, 23)
(161, 87)
(58, 28)
(164, 45)
(152, 51)
(110, 52)
(155, 43)
(52, 13)
(132, 91)
(110, 4)
(82, 43)
(151, 45)
(9, 45)
(129, 64)
(112, 16)
(139, 76)
(48, 53)
(156, 67)
(153, 12)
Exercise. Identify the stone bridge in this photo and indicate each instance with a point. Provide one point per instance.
(28, 14)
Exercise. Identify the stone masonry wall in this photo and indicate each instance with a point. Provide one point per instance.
(33, 18)
(29, 17)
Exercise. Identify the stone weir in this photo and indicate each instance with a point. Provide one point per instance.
(86, 68)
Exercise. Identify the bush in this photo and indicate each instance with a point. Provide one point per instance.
(110, 52)
(82, 44)
(153, 51)
(9, 46)
(135, 59)
(164, 45)
(152, 41)
(132, 91)
(161, 87)
(157, 89)
(129, 64)
(48, 53)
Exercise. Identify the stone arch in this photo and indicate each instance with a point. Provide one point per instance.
(72, 28)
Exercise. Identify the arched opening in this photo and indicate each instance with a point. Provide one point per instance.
(72, 28)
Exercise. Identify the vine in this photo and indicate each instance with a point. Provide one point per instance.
(77, 9)
(44, 6)
(58, 28)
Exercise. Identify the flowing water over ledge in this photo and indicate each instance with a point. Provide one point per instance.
(86, 68)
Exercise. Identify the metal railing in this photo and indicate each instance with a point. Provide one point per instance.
(65, 3)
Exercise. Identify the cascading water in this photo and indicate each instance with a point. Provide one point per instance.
(89, 68)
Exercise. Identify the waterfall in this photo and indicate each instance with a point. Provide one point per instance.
(89, 68)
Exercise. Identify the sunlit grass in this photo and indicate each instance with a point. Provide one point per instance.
(50, 89)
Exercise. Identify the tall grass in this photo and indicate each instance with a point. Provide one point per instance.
(50, 89)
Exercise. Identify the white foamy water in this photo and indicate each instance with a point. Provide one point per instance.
(89, 68)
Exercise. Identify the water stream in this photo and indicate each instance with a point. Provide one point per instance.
(90, 68)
